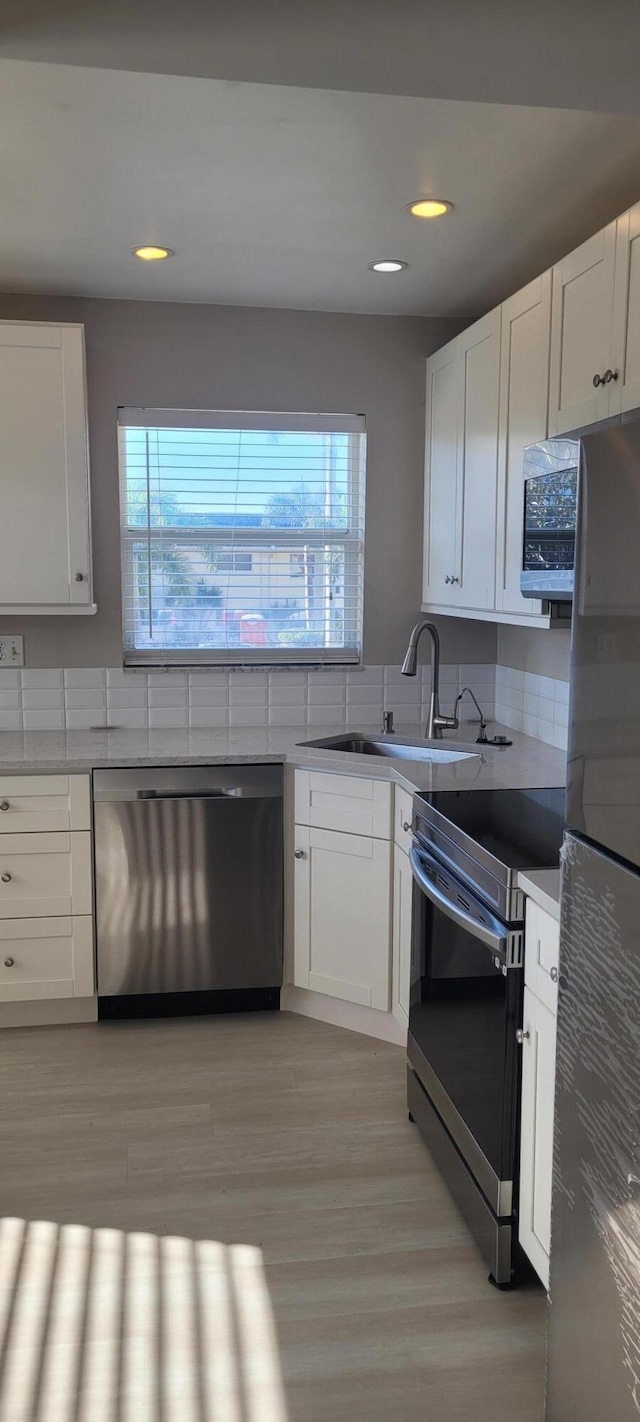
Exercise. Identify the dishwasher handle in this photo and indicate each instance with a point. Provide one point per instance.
(235, 792)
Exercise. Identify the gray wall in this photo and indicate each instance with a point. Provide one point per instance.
(152, 353)
(543, 652)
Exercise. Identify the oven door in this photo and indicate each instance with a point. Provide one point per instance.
(466, 1004)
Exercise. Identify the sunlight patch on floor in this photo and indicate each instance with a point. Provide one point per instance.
(98, 1324)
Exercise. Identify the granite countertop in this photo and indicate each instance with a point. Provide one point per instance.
(543, 886)
(526, 764)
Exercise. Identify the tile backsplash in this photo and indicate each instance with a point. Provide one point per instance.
(537, 705)
(76, 699)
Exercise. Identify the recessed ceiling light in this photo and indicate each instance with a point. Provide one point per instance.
(388, 264)
(153, 254)
(429, 207)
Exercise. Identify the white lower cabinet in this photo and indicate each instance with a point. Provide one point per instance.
(46, 958)
(536, 1149)
(402, 935)
(342, 906)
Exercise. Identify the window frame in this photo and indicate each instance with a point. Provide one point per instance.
(351, 537)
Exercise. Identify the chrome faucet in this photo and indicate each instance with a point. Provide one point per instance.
(436, 722)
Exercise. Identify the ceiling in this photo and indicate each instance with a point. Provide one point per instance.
(581, 54)
(281, 196)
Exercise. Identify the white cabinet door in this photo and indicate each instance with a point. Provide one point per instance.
(474, 578)
(541, 954)
(441, 543)
(536, 1150)
(46, 559)
(625, 361)
(581, 334)
(402, 935)
(342, 935)
(524, 400)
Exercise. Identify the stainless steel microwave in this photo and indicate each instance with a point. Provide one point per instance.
(550, 504)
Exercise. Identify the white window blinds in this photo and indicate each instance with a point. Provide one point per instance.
(242, 536)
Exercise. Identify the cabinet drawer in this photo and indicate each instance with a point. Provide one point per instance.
(45, 875)
(46, 958)
(541, 954)
(32, 803)
(350, 803)
(402, 817)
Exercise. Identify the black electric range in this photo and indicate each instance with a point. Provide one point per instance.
(467, 980)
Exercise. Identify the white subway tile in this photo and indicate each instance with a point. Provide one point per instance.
(545, 730)
(118, 677)
(43, 720)
(514, 697)
(515, 720)
(10, 720)
(515, 678)
(208, 715)
(42, 678)
(9, 679)
(244, 693)
(530, 683)
(84, 720)
(530, 703)
(546, 687)
(560, 714)
(324, 715)
(285, 677)
(84, 698)
(285, 695)
(480, 673)
(213, 696)
(10, 700)
(240, 715)
(365, 676)
(365, 714)
(405, 693)
(168, 678)
(502, 713)
(132, 718)
(364, 695)
(560, 737)
(168, 718)
(561, 692)
(257, 680)
(530, 724)
(287, 715)
(126, 696)
(208, 678)
(449, 673)
(545, 708)
(329, 694)
(84, 676)
(33, 699)
(168, 697)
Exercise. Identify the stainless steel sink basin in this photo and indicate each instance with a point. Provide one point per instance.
(357, 743)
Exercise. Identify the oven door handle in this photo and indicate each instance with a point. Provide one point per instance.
(492, 937)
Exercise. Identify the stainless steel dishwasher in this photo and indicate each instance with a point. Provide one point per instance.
(189, 889)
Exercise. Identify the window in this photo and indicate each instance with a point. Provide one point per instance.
(242, 536)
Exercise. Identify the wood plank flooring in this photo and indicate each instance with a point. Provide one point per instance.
(339, 1282)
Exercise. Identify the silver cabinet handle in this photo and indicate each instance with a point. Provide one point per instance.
(455, 580)
(610, 375)
(522, 1036)
(6, 878)
(598, 380)
(553, 974)
(299, 854)
(79, 577)
(406, 825)
(8, 962)
(447, 578)
(4, 805)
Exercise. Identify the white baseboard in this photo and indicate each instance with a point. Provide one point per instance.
(53, 1013)
(342, 1014)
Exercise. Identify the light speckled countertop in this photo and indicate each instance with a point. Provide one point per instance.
(526, 764)
(543, 886)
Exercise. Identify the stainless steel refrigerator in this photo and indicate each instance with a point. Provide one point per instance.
(594, 1316)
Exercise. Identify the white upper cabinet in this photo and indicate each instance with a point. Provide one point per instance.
(524, 400)
(46, 555)
(581, 387)
(625, 362)
(441, 543)
(478, 464)
(461, 469)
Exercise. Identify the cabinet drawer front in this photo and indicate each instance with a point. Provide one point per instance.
(402, 818)
(541, 954)
(536, 1149)
(350, 803)
(45, 875)
(32, 803)
(46, 958)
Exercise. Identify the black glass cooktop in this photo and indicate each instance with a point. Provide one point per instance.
(521, 828)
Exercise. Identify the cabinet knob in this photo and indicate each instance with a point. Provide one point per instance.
(447, 578)
(553, 974)
(8, 962)
(610, 375)
(455, 580)
(299, 854)
(406, 825)
(79, 577)
(598, 380)
(4, 805)
(522, 1036)
(6, 878)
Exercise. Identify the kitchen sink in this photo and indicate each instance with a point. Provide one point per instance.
(357, 743)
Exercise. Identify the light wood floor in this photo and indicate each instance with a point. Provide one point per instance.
(268, 1131)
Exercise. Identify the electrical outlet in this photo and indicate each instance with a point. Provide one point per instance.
(11, 650)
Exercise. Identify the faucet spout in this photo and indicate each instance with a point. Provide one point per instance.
(436, 722)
